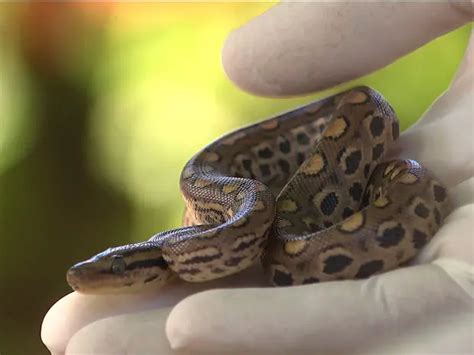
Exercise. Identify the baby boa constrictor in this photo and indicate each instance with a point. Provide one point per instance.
(339, 212)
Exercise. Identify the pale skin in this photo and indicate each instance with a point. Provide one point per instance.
(412, 307)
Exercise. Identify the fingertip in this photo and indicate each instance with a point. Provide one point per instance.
(269, 56)
(241, 62)
(56, 327)
(181, 325)
(229, 60)
(300, 48)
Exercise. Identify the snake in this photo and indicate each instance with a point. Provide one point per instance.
(308, 192)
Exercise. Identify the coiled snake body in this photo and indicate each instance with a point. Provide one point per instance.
(306, 191)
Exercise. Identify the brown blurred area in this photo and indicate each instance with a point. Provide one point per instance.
(50, 205)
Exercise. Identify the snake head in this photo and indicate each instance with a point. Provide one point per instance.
(120, 269)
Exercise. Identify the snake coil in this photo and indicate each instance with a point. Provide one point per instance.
(307, 191)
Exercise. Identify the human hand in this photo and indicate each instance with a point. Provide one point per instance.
(419, 307)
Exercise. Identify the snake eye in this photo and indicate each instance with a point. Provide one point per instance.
(118, 265)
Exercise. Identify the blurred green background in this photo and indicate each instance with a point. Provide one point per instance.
(100, 107)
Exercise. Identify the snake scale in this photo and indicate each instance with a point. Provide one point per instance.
(307, 192)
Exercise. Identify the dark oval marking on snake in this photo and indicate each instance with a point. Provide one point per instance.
(377, 126)
(329, 203)
(356, 191)
(370, 268)
(336, 263)
(391, 236)
(302, 138)
(419, 239)
(439, 193)
(422, 211)
(265, 153)
(285, 147)
(282, 279)
(353, 161)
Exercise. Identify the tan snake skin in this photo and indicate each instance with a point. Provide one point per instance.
(306, 190)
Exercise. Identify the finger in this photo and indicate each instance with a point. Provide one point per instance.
(459, 95)
(137, 333)
(297, 48)
(442, 140)
(334, 317)
(454, 238)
